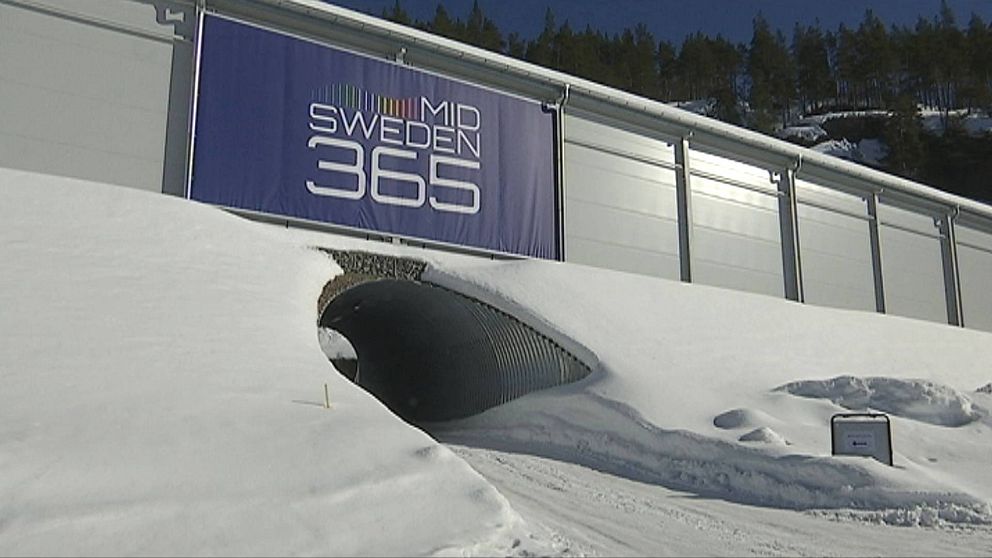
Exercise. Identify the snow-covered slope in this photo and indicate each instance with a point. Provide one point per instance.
(161, 392)
(676, 358)
(161, 386)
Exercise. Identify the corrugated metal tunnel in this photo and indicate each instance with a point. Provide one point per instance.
(431, 354)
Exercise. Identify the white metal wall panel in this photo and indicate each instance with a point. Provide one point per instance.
(835, 248)
(912, 265)
(975, 270)
(619, 210)
(736, 242)
(588, 131)
(84, 100)
(756, 177)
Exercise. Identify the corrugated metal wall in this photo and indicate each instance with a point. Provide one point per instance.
(432, 355)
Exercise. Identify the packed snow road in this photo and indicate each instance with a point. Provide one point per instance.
(583, 512)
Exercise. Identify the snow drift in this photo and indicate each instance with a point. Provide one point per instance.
(161, 384)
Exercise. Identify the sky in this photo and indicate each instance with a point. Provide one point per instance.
(674, 19)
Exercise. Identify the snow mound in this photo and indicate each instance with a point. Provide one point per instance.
(764, 435)
(698, 106)
(739, 418)
(869, 151)
(808, 134)
(921, 400)
(842, 148)
(189, 387)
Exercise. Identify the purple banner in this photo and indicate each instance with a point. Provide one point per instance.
(288, 127)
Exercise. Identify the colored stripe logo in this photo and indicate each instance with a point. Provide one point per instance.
(352, 97)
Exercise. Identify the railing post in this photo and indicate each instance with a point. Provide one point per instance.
(876, 251)
(788, 217)
(683, 198)
(952, 279)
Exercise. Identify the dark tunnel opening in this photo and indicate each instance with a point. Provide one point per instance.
(432, 355)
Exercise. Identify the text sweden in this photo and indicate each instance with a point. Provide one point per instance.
(452, 140)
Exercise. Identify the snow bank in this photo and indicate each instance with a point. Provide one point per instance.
(161, 392)
(698, 106)
(674, 358)
(869, 151)
(820, 119)
(838, 148)
(809, 134)
(921, 400)
(975, 124)
(612, 437)
(161, 381)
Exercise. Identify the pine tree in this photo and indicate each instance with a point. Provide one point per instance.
(666, 59)
(541, 50)
(696, 66)
(642, 63)
(443, 25)
(771, 70)
(979, 49)
(516, 46)
(481, 31)
(397, 14)
(949, 50)
(876, 60)
(813, 74)
(903, 133)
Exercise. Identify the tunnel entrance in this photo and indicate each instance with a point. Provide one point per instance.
(431, 354)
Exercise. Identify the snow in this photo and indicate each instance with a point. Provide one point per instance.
(739, 418)
(697, 106)
(638, 414)
(974, 123)
(920, 400)
(808, 134)
(161, 392)
(587, 512)
(334, 344)
(842, 148)
(764, 435)
(869, 150)
(820, 119)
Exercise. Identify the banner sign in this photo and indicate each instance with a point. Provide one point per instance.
(288, 127)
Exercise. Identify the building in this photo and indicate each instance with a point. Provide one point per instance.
(304, 113)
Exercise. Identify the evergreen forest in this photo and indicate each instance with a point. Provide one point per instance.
(888, 74)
